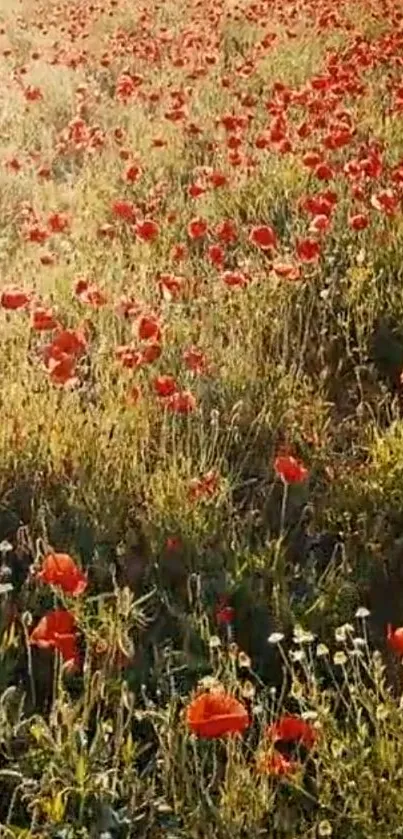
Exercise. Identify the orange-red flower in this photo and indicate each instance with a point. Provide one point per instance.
(57, 631)
(290, 470)
(165, 385)
(264, 237)
(216, 714)
(61, 570)
(292, 729)
(43, 319)
(13, 298)
(395, 639)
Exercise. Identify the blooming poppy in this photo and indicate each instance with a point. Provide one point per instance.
(58, 222)
(147, 230)
(59, 569)
(124, 210)
(197, 228)
(129, 357)
(224, 613)
(165, 385)
(13, 298)
(61, 369)
(195, 360)
(132, 175)
(292, 729)
(264, 237)
(358, 221)
(57, 630)
(308, 250)
(216, 714)
(43, 319)
(204, 487)
(290, 470)
(395, 639)
(181, 402)
(70, 341)
(149, 328)
(287, 270)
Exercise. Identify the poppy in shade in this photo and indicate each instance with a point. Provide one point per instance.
(292, 729)
(60, 570)
(395, 639)
(56, 631)
(290, 470)
(216, 714)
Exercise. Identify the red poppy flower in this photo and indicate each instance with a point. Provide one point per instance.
(197, 228)
(178, 252)
(308, 250)
(216, 715)
(61, 570)
(56, 630)
(274, 763)
(264, 237)
(147, 230)
(43, 319)
(149, 328)
(13, 298)
(58, 222)
(132, 173)
(287, 270)
(319, 224)
(226, 231)
(204, 487)
(151, 353)
(224, 613)
(181, 402)
(234, 279)
(70, 341)
(195, 360)
(386, 202)
(292, 729)
(124, 210)
(90, 294)
(216, 255)
(290, 470)
(395, 639)
(36, 234)
(61, 369)
(359, 221)
(165, 385)
(129, 357)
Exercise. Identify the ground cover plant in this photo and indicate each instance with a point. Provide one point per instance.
(201, 445)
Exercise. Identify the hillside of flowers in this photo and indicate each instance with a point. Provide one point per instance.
(201, 436)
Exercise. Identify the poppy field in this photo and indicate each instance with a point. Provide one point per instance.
(201, 441)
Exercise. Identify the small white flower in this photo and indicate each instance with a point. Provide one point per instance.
(362, 613)
(340, 658)
(324, 829)
(214, 642)
(359, 642)
(322, 650)
(342, 632)
(301, 636)
(275, 638)
(297, 655)
(5, 547)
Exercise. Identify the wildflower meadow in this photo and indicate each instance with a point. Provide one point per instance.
(201, 436)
